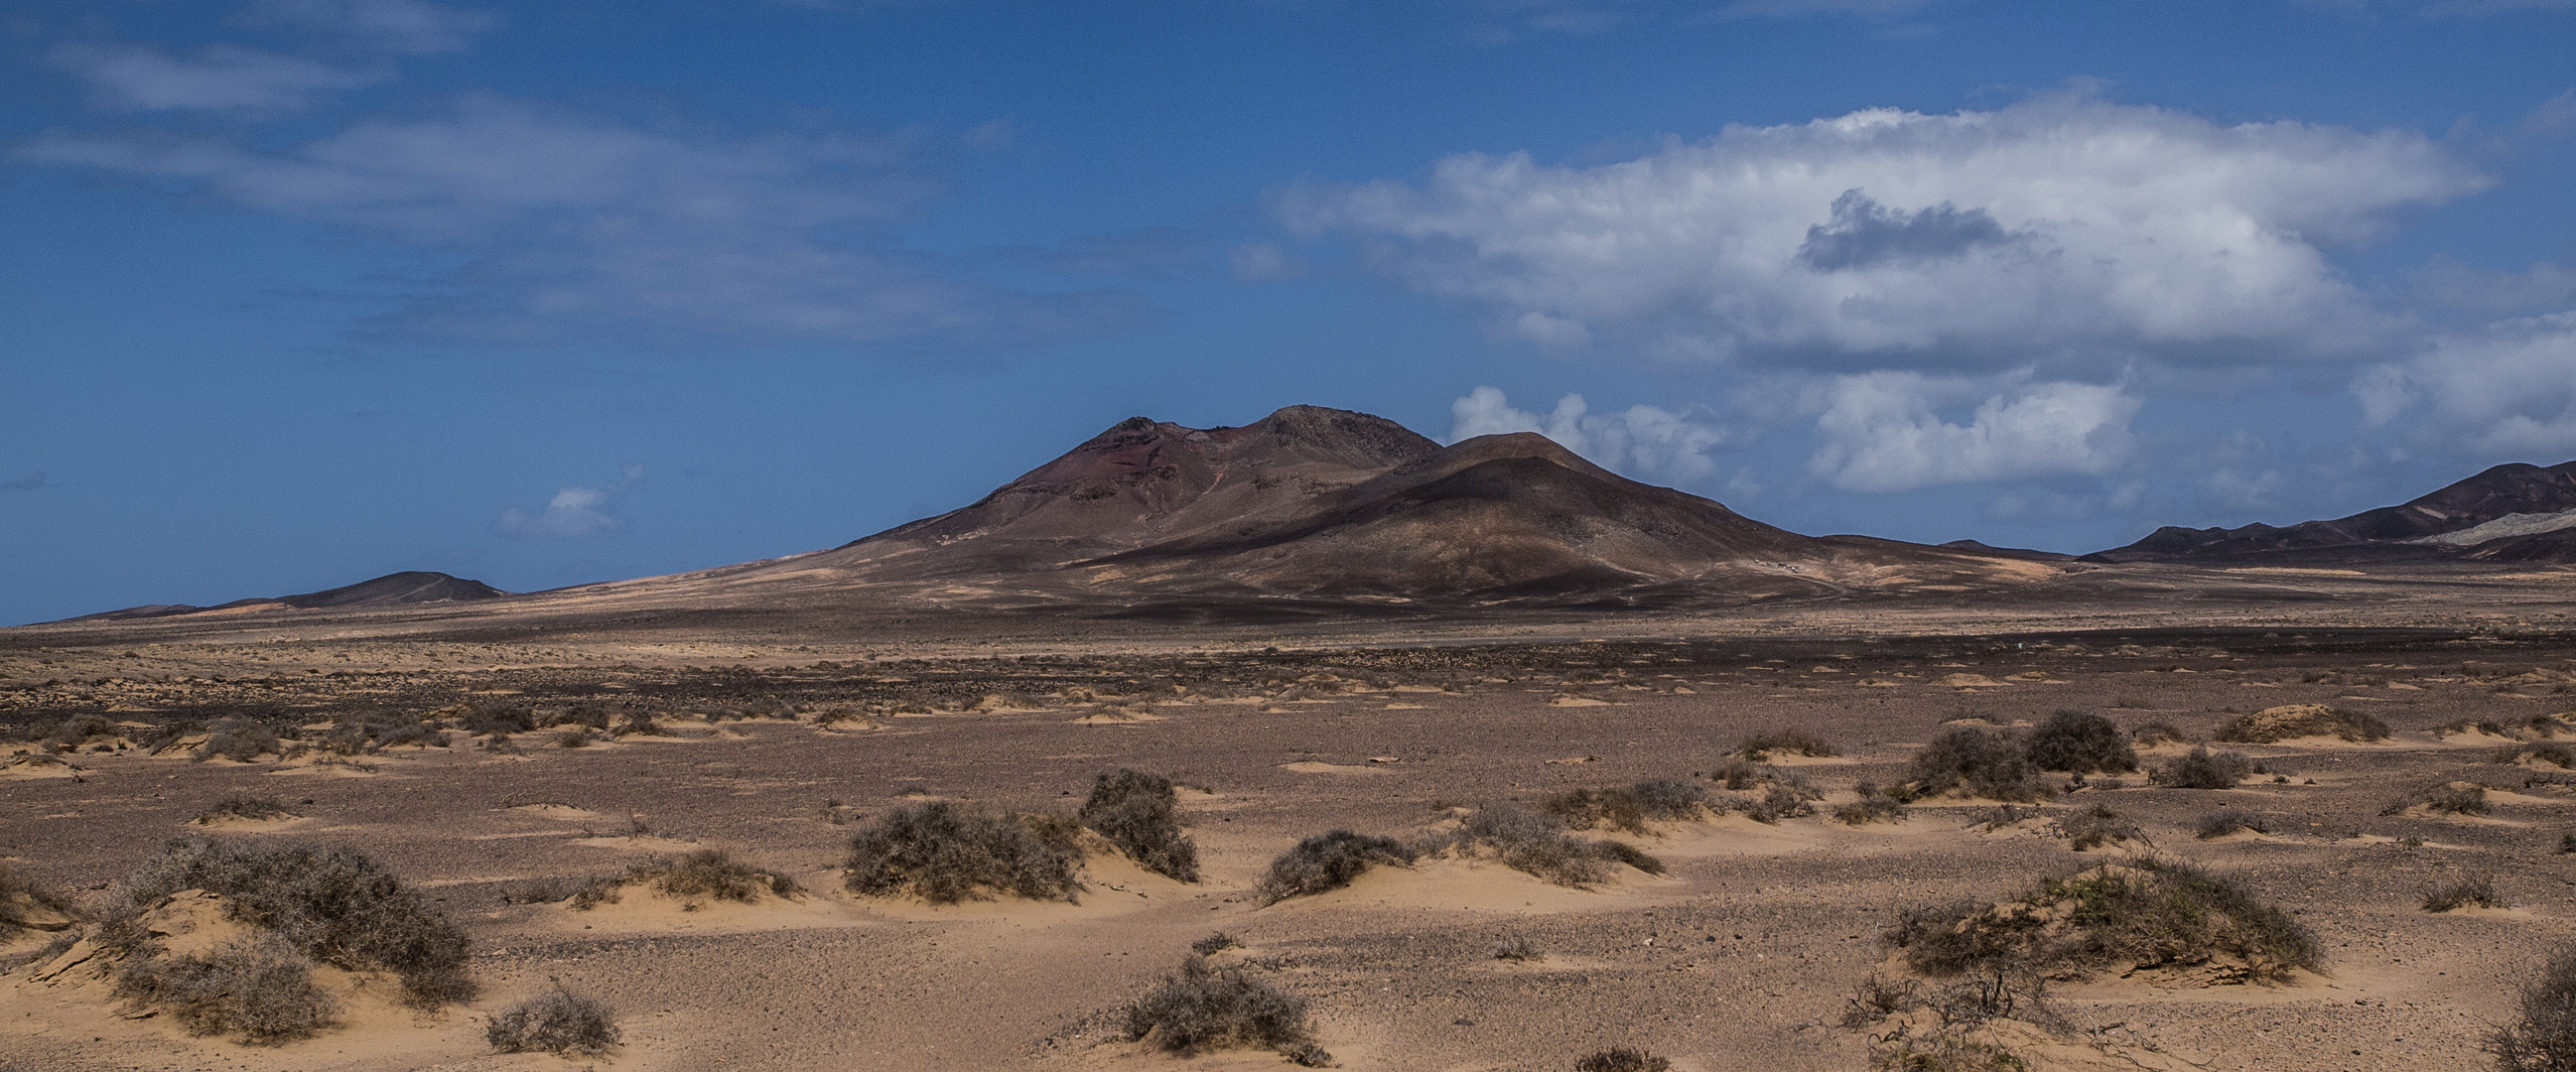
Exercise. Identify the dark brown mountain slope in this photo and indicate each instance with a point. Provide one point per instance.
(1319, 502)
(2384, 534)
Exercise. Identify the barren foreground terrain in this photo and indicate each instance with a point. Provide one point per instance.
(1744, 953)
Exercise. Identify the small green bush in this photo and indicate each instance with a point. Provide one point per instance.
(2080, 742)
(1205, 1008)
(1329, 861)
(1976, 762)
(559, 1022)
(1140, 814)
(945, 854)
(2202, 769)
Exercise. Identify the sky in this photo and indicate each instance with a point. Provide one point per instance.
(294, 293)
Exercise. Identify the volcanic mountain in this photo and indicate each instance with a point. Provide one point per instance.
(390, 590)
(2509, 513)
(1314, 502)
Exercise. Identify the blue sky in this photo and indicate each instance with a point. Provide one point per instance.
(299, 292)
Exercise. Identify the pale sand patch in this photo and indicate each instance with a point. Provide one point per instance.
(1405, 707)
(29, 767)
(1317, 767)
(1577, 701)
(242, 825)
(1116, 716)
(1792, 759)
(1966, 681)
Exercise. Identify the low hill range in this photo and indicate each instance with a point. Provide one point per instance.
(1338, 508)
(2508, 513)
(391, 590)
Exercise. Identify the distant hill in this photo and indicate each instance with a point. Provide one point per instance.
(392, 589)
(1322, 502)
(2512, 512)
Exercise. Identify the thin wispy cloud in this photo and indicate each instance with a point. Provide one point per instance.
(573, 226)
(218, 77)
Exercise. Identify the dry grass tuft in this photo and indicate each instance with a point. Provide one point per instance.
(2467, 891)
(1760, 747)
(2542, 1036)
(2201, 768)
(260, 986)
(559, 1022)
(1206, 1008)
(1623, 1059)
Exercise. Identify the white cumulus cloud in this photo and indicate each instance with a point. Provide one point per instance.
(2067, 234)
(1642, 441)
(1882, 433)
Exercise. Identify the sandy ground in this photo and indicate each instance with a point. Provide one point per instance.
(1740, 957)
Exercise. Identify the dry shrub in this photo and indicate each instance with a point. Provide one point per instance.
(2091, 828)
(26, 906)
(2080, 742)
(1976, 762)
(1947, 1027)
(2301, 720)
(2455, 798)
(261, 986)
(1515, 947)
(2225, 821)
(2542, 1036)
(1628, 807)
(1329, 861)
(1623, 1059)
(239, 739)
(559, 1022)
(2477, 890)
(338, 906)
(1214, 944)
(1536, 843)
(2552, 753)
(2201, 768)
(241, 807)
(1759, 747)
(2149, 913)
(1207, 1008)
(712, 873)
(490, 719)
(945, 853)
(1874, 806)
(1139, 813)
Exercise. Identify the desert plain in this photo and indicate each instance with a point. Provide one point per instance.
(775, 737)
